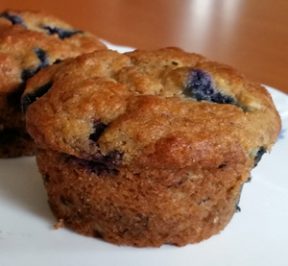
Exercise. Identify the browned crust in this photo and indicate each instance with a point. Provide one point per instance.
(142, 208)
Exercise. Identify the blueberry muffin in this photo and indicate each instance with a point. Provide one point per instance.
(148, 147)
(30, 41)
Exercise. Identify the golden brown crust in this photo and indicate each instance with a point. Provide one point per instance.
(148, 147)
(30, 41)
(144, 104)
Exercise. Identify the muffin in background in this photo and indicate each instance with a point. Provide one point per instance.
(30, 41)
(148, 147)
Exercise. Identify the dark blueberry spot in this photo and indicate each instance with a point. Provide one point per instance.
(200, 87)
(249, 179)
(42, 56)
(108, 162)
(218, 97)
(27, 73)
(15, 97)
(32, 96)
(57, 61)
(259, 155)
(12, 18)
(98, 129)
(62, 33)
(238, 209)
(65, 201)
(30, 72)
(221, 166)
(103, 164)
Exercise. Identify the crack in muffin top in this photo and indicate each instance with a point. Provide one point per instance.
(159, 109)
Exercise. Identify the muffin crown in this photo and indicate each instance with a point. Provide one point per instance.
(158, 109)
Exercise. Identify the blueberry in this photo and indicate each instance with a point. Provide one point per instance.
(13, 18)
(66, 201)
(259, 155)
(42, 56)
(221, 98)
(99, 128)
(32, 97)
(14, 98)
(30, 72)
(113, 159)
(57, 61)
(27, 73)
(200, 87)
(101, 164)
(107, 162)
(62, 33)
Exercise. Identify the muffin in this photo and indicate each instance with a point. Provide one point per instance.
(148, 147)
(30, 41)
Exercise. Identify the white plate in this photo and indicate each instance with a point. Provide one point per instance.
(258, 235)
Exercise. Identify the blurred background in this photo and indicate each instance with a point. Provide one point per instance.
(250, 35)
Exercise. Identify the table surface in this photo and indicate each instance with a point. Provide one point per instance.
(250, 35)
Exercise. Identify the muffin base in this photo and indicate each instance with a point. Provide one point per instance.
(139, 208)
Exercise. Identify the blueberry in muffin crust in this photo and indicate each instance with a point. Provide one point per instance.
(62, 33)
(148, 147)
(13, 18)
(199, 86)
(29, 42)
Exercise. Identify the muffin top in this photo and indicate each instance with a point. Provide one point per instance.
(165, 109)
(29, 41)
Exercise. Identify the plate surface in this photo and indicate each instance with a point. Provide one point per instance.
(258, 235)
